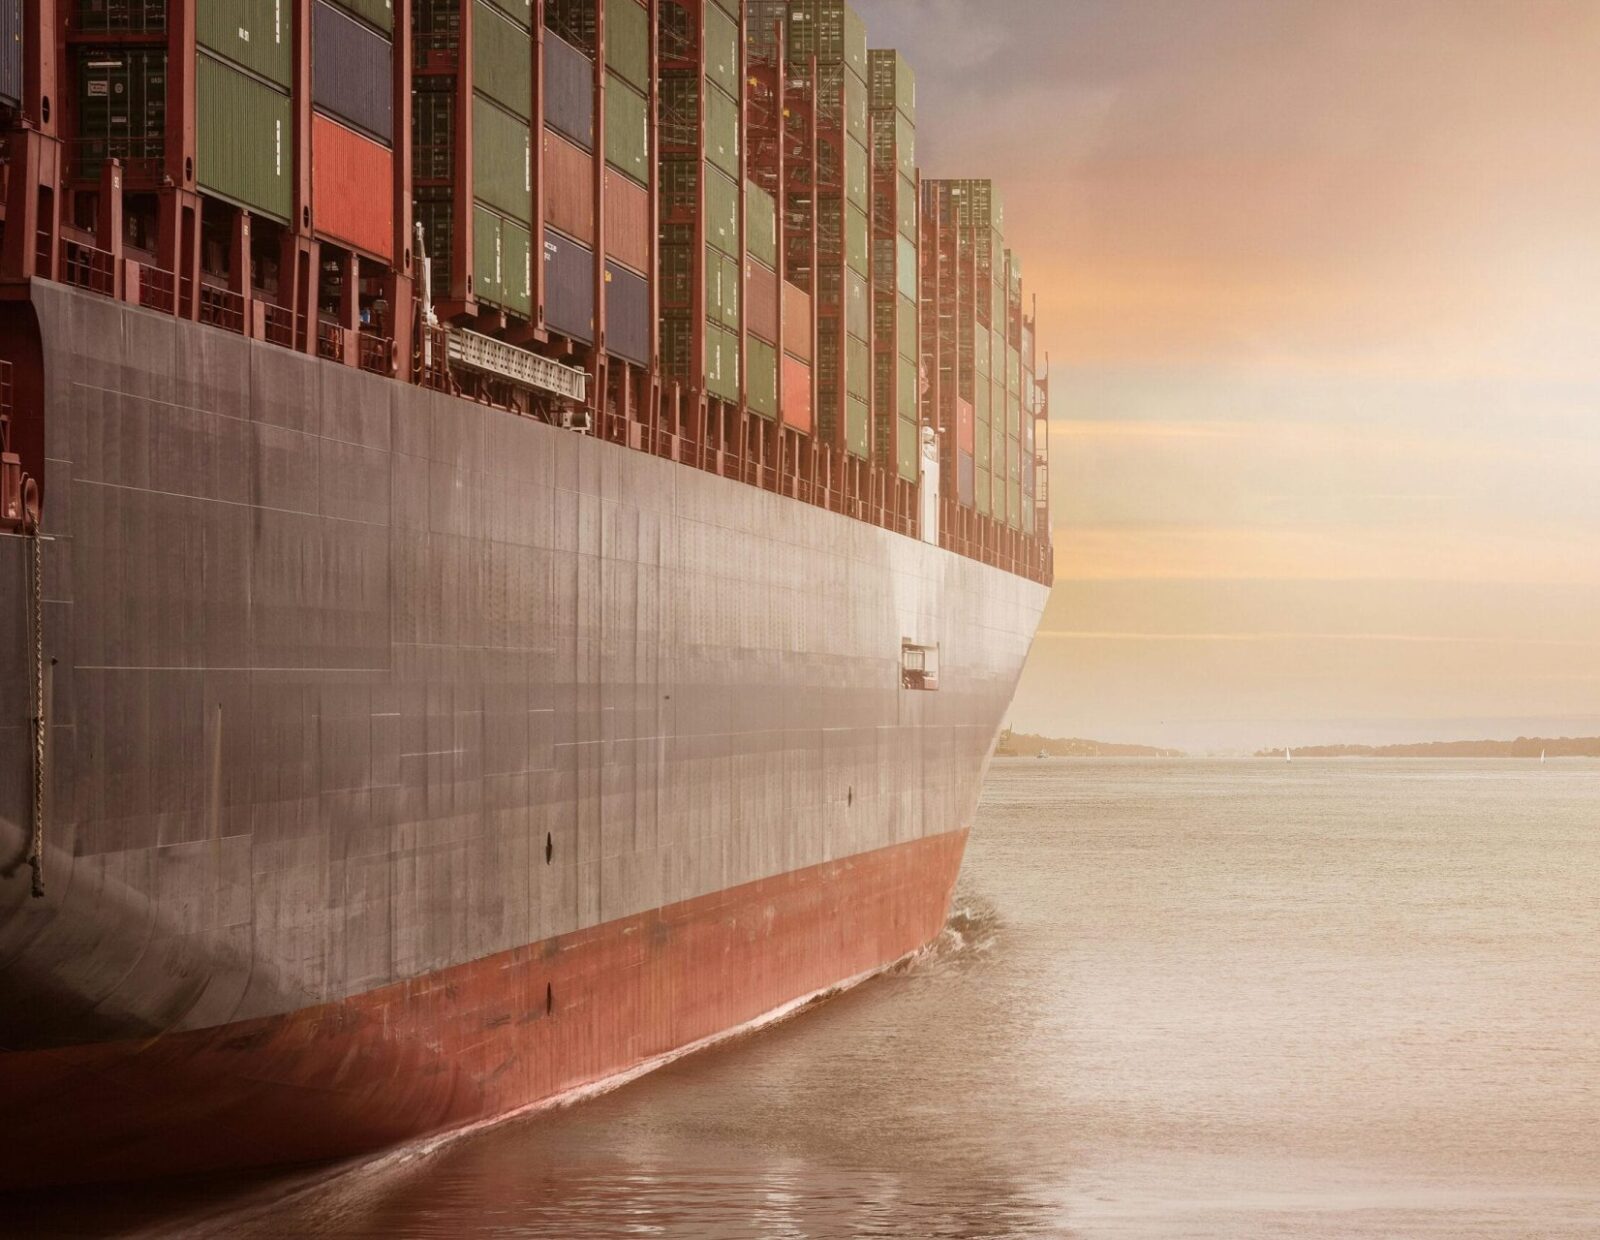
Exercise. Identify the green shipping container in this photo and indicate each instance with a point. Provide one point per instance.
(858, 368)
(257, 34)
(722, 349)
(722, 130)
(519, 11)
(857, 176)
(502, 60)
(905, 146)
(244, 139)
(722, 288)
(857, 427)
(857, 306)
(855, 108)
(907, 214)
(760, 224)
(907, 275)
(722, 211)
(723, 64)
(501, 160)
(627, 130)
(1015, 492)
(906, 453)
(907, 407)
(486, 255)
(628, 42)
(907, 330)
(761, 386)
(980, 353)
(502, 270)
(1014, 370)
(893, 84)
(380, 13)
(857, 244)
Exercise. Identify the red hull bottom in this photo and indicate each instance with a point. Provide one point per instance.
(471, 1042)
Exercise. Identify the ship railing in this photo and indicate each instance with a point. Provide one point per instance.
(280, 326)
(375, 353)
(330, 341)
(222, 307)
(431, 366)
(85, 267)
(158, 289)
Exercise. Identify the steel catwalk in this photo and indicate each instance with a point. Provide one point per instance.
(411, 762)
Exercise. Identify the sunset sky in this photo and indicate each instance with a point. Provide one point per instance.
(1320, 281)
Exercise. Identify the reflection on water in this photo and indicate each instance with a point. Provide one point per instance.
(1176, 999)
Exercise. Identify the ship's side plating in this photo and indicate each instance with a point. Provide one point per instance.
(355, 687)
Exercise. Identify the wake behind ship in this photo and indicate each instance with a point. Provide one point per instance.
(432, 680)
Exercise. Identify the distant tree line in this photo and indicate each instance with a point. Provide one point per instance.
(1029, 744)
(1522, 747)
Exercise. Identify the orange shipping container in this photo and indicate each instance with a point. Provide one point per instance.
(627, 223)
(797, 321)
(352, 194)
(761, 300)
(797, 394)
(568, 188)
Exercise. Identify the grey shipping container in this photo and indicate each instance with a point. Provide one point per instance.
(569, 287)
(568, 91)
(965, 470)
(627, 314)
(11, 51)
(352, 71)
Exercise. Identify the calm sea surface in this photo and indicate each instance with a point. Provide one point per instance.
(1215, 999)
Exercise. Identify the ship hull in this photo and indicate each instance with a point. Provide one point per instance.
(475, 1041)
(363, 699)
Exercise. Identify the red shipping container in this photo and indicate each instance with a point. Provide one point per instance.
(797, 321)
(352, 188)
(796, 394)
(964, 426)
(761, 300)
(568, 188)
(627, 223)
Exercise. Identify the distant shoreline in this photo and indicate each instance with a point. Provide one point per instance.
(1523, 747)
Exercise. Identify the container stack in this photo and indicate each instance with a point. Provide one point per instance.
(780, 158)
(472, 109)
(895, 263)
(946, 342)
(762, 309)
(1016, 394)
(827, 51)
(701, 49)
(628, 185)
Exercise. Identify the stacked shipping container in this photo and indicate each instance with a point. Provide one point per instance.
(736, 180)
(827, 52)
(896, 265)
(701, 48)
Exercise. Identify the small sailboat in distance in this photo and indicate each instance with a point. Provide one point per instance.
(1288, 756)
(1541, 757)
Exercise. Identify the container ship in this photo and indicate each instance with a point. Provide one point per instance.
(520, 521)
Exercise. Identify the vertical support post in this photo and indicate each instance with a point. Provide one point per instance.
(462, 250)
(33, 223)
(537, 212)
(239, 275)
(398, 281)
(108, 221)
